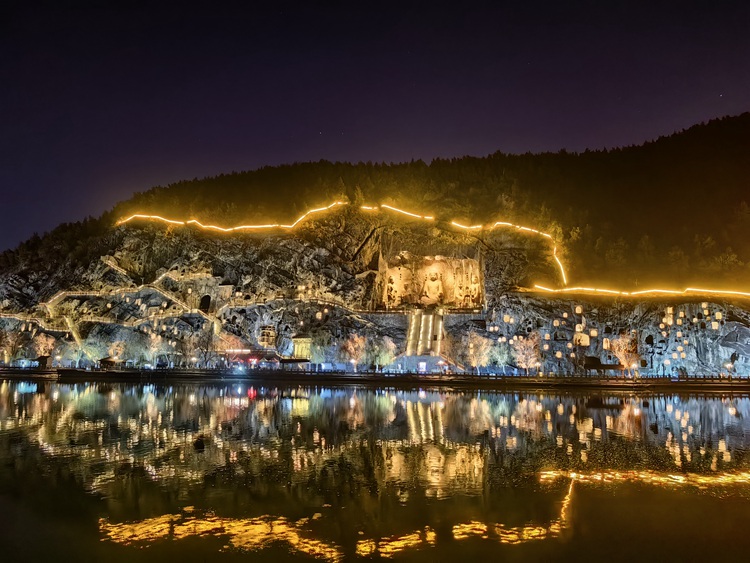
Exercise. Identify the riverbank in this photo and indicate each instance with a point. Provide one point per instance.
(452, 381)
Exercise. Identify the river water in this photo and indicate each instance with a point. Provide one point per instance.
(120, 472)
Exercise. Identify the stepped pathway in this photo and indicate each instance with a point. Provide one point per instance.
(424, 335)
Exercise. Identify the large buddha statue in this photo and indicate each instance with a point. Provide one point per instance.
(432, 290)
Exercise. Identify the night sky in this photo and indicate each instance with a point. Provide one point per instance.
(98, 102)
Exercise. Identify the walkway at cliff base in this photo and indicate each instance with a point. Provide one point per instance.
(280, 377)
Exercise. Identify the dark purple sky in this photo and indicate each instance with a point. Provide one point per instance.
(97, 102)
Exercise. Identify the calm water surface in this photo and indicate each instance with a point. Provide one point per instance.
(110, 472)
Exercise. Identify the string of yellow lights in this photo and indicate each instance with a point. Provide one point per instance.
(497, 224)
(646, 292)
(230, 229)
(391, 208)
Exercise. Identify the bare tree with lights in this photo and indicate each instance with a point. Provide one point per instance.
(526, 351)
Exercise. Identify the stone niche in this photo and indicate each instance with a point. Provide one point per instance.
(428, 281)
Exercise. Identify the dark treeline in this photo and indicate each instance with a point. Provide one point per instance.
(675, 210)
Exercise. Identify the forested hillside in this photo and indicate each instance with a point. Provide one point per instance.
(672, 211)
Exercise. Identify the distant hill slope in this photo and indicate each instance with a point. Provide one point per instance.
(674, 210)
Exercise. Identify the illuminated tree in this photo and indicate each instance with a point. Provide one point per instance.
(381, 351)
(321, 347)
(500, 355)
(206, 346)
(625, 348)
(477, 350)
(41, 345)
(189, 348)
(13, 342)
(526, 351)
(94, 348)
(353, 349)
(155, 347)
(116, 349)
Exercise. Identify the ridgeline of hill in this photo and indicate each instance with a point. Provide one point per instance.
(669, 212)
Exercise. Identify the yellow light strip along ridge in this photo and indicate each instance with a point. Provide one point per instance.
(141, 216)
(497, 224)
(645, 292)
(230, 229)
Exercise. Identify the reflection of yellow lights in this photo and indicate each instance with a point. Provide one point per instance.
(645, 292)
(244, 533)
(650, 477)
(463, 531)
(388, 547)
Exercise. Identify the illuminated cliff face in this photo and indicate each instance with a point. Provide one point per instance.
(335, 273)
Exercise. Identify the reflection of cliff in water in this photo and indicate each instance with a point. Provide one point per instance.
(265, 445)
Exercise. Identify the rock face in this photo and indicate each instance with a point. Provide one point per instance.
(351, 275)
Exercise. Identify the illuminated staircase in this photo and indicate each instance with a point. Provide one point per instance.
(425, 333)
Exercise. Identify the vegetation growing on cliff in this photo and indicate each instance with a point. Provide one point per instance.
(674, 210)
